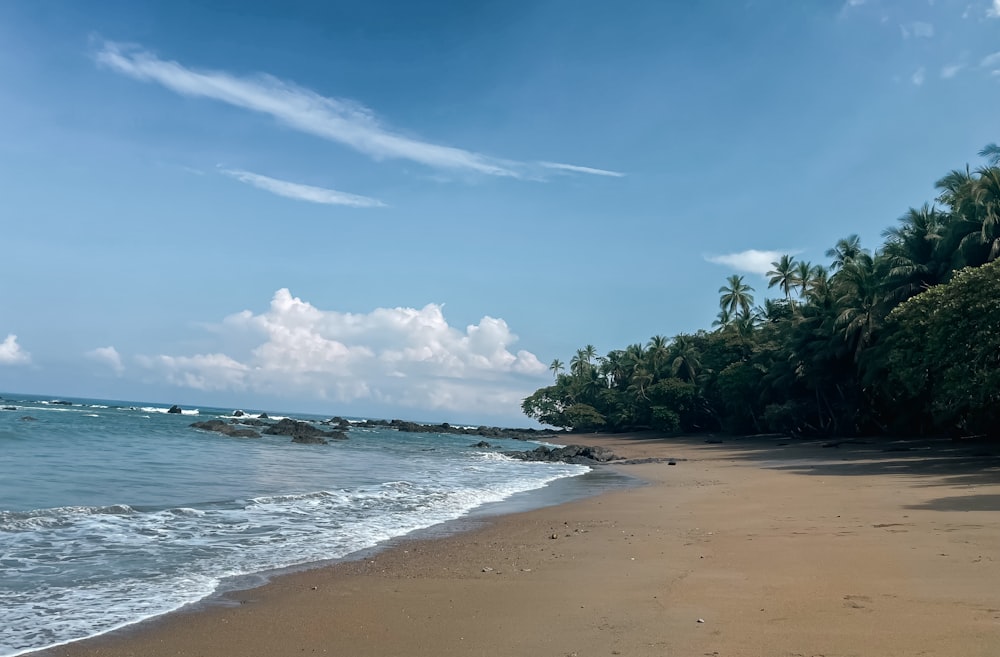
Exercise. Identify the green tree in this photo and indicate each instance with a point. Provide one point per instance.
(941, 354)
(783, 275)
(556, 367)
(736, 295)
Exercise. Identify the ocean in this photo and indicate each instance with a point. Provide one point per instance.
(113, 512)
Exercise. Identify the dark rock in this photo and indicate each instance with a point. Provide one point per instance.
(10, 408)
(249, 421)
(175, 409)
(311, 440)
(263, 416)
(28, 418)
(238, 413)
(218, 426)
(671, 462)
(61, 402)
(580, 454)
(303, 432)
(482, 444)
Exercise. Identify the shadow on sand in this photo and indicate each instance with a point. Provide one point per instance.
(942, 461)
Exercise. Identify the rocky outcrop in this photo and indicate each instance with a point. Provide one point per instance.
(444, 427)
(579, 454)
(482, 444)
(303, 432)
(175, 410)
(226, 429)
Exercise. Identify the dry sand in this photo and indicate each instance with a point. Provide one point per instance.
(742, 548)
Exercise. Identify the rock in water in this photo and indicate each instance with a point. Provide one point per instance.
(225, 429)
(175, 409)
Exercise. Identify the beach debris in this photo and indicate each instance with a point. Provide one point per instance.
(671, 462)
(554, 536)
(487, 569)
(701, 620)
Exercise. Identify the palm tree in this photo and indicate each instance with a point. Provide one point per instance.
(912, 253)
(846, 250)
(974, 200)
(992, 154)
(688, 360)
(656, 352)
(723, 319)
(783, 275)
(986, 196)
(803, 276)
(860, 303)
(556, 366)
(736, 295)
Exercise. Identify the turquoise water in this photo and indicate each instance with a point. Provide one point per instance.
(112, 512)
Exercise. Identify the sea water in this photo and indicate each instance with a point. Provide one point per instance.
(113, 512)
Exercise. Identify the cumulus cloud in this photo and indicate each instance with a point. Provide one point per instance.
(994, 10)
(107, 356)
(393, 356)
(343, 121)
(301, 192)
(11, 352)
(751, 260)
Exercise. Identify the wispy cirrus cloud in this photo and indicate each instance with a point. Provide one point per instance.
(752, 260)
(918, 76)
(994, 10)
(11, 352)
(302, 192)
(991, 62)
(917, 29)
(573, 168)
(948, 72)
(339, 120)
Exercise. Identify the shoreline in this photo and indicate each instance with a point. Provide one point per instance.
(777, 548)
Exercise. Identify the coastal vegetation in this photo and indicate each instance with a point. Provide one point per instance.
(902, 339)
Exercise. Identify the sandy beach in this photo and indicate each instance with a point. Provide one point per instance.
(754, 546)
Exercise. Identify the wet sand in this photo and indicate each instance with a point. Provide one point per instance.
(754, 546)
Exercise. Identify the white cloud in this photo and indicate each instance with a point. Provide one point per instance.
(917, 29)
(339, 120)
(991, 61)
(951, 71)
(751, 260)
(302, 192)
(392, 356)
(918, 76)
(108, 356)
(11, 352)
(994, 10)
(578, 169)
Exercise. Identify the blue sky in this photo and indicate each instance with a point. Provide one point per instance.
(409, 209)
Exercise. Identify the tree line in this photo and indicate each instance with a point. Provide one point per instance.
(904, 339)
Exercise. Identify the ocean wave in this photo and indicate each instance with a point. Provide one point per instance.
(166, 410)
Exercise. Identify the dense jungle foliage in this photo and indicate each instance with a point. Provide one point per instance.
(902, 340)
